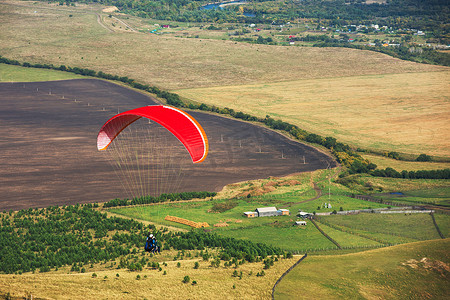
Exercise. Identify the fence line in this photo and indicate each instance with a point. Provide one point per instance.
(437, 227)
(285, 273)
(326, 235)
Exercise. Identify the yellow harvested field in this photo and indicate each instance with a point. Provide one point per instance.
(212, 283)
(384, 162)
(394, 112)
(78, 39)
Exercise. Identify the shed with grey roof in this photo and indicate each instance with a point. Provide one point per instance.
(267, 211)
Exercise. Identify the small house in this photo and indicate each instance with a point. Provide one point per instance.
(283, 212)
(267, 211)
(302, 223)
(250, 214)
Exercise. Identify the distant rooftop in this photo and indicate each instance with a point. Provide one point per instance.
(266, 209)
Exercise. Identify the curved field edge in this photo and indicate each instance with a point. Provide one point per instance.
(414, 270)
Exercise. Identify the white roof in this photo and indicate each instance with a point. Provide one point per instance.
(249, 212)
(282, 209)
(266, 209)
(300, 222)
(304, 213)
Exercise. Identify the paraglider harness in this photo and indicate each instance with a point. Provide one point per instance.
(151, 245)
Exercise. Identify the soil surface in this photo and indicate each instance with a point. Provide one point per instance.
(49, 156)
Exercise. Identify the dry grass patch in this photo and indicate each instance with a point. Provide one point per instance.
(276, 185)
(401, 112)
(212, 283)
(171, 62)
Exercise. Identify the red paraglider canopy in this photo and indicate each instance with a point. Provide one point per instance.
(179, 123)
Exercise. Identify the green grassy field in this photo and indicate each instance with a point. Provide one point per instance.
(11, 73)
(378, 186)
(278, 231)
(412, 226)
(345, 239)
(354, 231)
(411, 271)
(443, 222)
(438, 196)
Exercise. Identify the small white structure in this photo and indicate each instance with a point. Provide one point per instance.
(250, 214)
(303, 223)
(304, 214)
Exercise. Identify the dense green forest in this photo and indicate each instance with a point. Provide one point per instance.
(80, 235)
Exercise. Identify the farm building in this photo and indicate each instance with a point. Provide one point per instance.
(250, 214)
(304, 214)
(267, 211)
(283, 212)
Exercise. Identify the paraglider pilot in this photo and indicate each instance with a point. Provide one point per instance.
(151, 244)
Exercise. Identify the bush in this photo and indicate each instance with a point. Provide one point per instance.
(423, 157)
(186, 279)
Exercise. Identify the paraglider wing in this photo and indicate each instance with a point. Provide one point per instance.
(179, 123)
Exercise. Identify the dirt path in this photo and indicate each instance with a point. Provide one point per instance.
(125, 24)
(99, 21)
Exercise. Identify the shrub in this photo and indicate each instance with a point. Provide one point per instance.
(423, 157)
(196, 265)
(94, 275)
(186, 279)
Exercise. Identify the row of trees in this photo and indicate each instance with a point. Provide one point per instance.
(160, 198)
(230, 247)
(420, 174)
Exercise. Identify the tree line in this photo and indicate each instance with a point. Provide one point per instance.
(420, 174)
(161, 198)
